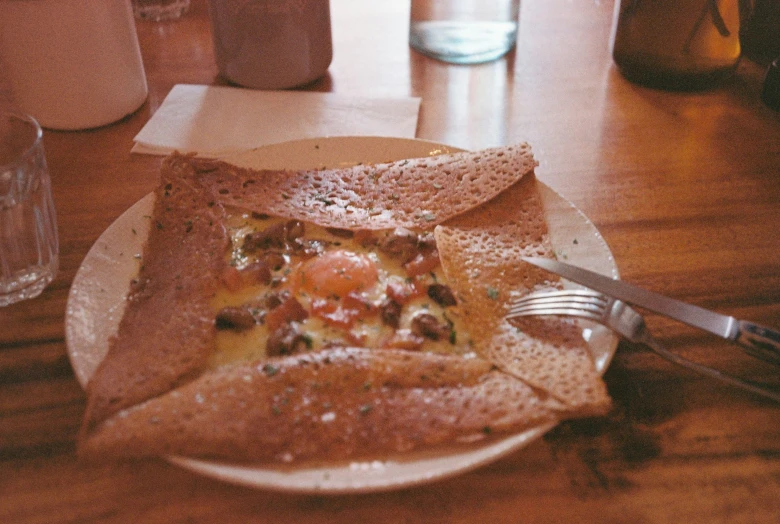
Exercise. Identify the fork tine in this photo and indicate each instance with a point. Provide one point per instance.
(578, 303)
(547, 311)
(566, 296)
(558, 299)
(554, 303)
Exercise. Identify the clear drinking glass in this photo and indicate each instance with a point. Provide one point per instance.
(29, 246)
(159, 10)
(464, 31)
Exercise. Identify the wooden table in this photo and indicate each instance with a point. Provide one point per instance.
(684, 187)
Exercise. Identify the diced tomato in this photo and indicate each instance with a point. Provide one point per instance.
(331, 313)
(343, 314)
(425, 262)
(356, 339)
(402, 291)
(322, 306)
(288, 311)
(362, 307)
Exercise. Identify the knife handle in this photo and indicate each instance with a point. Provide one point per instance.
(760, 341)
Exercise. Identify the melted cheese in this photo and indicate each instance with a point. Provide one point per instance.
(368, 331)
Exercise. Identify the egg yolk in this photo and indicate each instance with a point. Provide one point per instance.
(337, 273)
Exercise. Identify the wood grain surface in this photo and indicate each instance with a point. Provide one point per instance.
(685, 188)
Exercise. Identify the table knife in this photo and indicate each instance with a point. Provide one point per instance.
(760, 341)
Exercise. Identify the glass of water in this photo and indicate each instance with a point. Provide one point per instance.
(29, 246)
(464, 31)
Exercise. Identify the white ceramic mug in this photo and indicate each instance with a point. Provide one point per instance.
(72, 64)
(271, 44)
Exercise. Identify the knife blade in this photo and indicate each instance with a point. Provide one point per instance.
(760, 341)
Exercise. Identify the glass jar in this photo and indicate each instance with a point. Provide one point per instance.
(678, 44)
(271, 44)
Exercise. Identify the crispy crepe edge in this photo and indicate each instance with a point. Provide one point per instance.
(101, 418)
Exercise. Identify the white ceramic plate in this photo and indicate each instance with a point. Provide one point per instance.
(97, 296)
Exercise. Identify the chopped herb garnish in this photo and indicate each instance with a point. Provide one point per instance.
(270, 370)
(324, 200)
(492, 293)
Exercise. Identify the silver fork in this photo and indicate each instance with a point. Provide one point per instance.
(622, 319)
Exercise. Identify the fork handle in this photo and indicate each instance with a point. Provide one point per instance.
(760, 341)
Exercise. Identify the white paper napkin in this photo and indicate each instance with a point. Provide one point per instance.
(215, 120)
